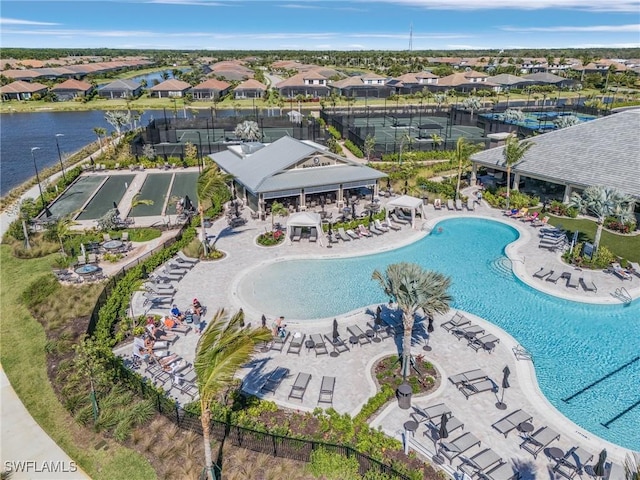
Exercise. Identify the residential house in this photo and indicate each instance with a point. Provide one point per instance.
(250, 89)
(308, 84)
(465, 82)
(365, 86)
(120, 89)
(506, 82)
(210, 89)
(549, 79)
(70, 89)
(171, 88)
(21, 90)
(413, 82)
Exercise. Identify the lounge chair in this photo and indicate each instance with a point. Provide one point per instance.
(182, 258)
(186, 388)
(480, 461)
(296, 343)
(458, 204)
(337, 344)
(555, 276)
(181, 328)
(504, 471)
(540, 222)
(297, 234)
(106, 237)
(634, 268)
(299, 387)
(319, 346)
(464, 442)
(313, 235)
(510, 213)
(573, 462)
(278, 342)
(274, 379)
(511, 421)
(468, 376)
(469, 389)
(382, 331)
(572, 281)
(452, 423)
(537, 442)
(468, 331)
(374, 230)
(450, 204)
(92, 258)
(471, 204)
(620, 272)
(588, 284)
(486, 342)
(543, 272)
(458, 320)
(392, 226)
(157, 301)
(398, 220)
(356, 331)
(81, 260)
(343, 235)
(379, 226)
(521, 213)
(326, 390)
(363, 232)
(353, 234)
(437, 204)
(432, 411)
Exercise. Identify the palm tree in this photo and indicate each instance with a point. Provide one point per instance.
(248, 131)
(277, 209)
(566, 121)
(513, 152)
(223, 347)
(140, 201)
(118, 119)
(63, 229)
(369, 146)
(472, 104)
(211, 183)
(437, 140)
(100, 132)
(462, 153)
(602, 202)
(413, 288)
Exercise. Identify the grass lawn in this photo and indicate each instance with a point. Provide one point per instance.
(624, 246)
(23, 358)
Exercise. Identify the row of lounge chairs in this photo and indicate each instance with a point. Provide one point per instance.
(461, 327)
(376, 228)
(473, 382)
(159, 291)
(272, 381)
(550, 274)
(296, 235)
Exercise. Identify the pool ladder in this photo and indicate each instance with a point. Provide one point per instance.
(623, 295)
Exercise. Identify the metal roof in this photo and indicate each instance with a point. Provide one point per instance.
(267, 169)
(605, 151)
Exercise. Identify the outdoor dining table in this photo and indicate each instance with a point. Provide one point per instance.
(112, 245)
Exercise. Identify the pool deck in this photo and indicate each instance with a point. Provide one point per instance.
(448, 354)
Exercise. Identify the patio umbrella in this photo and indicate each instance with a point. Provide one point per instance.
(378, 319)
(598, 470)
(335, 333)
(442, 431)
(237, 207)
(264, 321)
(353, 211)
(188, 206)
(505, 384)
(83, 250)
(115, 207)
(430, 326)
(429, 331)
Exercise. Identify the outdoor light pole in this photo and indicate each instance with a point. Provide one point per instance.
(64, 175)
(200, 162)
(35, 165)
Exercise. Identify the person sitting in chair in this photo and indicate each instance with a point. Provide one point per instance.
(176, 313)
(197, 306)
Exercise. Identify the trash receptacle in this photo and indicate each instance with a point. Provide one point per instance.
(404, 396)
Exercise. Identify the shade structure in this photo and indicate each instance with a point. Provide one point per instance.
(335, 334)
(406, 201)
(598, 470)
(442, 431)
(305, 219)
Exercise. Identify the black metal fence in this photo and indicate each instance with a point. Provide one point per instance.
(262, 442)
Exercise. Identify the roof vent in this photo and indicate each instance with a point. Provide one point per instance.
(251, 147)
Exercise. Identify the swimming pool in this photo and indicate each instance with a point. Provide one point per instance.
(573, 344)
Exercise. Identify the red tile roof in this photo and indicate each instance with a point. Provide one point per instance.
(20, 86)
(72, 84)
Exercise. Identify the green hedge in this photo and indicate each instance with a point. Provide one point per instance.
(334, 133)
(353, 148)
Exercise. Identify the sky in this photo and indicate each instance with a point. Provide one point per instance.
(320, 25)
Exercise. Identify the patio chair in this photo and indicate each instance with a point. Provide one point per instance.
(353, 234)
(504, 471)
(573, 462)
(181, 328)
(326, 390)
(179, 267)
(398, 220)
(483, 460)
(572, 281)
(555, 276)
(318, 344)
(382, 331)
(343, 235)
(374, 230)
(182, 258)
(297, 234)
(467, 331)
(81, 260)
(458, 320)
(537, 442)
(458, 204)
(186, 388)
(540, 222)
(452, 423)
(588, 284)
(106, 237)
(450, 204)
(620, 272)
(392, 226)
(296, 343)
(471, 204)
(468, 376)
(511, 421)
(464, 442)
(379, 226)
(356, 331)
(337, 344)
(363, 232)
(274, 379)
(278, 342)
(634, 268)
(432, 411)
(469, 389)
(299, 387)
(437, 204)
(313, 235)
(486, 342)
(543, 272)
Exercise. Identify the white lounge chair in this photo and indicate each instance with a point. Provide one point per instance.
(635, 268)
(450, 204)
(437, 204)
(458, 204)
(572, 281)
(313, 236)
(374, 230)
(620, 272)
(353, 234)
(399, 220)
(343, 235)
(378, 224)
(471, 204)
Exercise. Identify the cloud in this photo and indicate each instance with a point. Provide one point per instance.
(300, 6)
(591, 5)
(198, 3)
(585, 28)
(15, 21)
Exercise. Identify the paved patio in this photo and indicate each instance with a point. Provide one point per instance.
(215, 284)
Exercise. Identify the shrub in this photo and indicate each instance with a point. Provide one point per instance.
(334, 132)
(39, 290)
(614, 224)
(269, 239)
(353, 148)
(333, 466)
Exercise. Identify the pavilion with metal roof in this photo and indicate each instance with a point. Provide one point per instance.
(292, 171)
(605, 151)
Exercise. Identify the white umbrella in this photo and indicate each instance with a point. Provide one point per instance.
(84, 251)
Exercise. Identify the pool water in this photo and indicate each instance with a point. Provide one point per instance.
(573, 344)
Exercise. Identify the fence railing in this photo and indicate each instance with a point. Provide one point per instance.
(266, 443)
